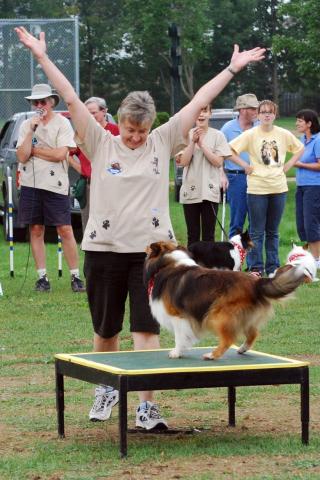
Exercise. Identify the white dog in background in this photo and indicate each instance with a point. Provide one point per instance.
(301, 256)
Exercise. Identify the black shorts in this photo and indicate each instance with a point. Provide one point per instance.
(109, 278)
(41, 207)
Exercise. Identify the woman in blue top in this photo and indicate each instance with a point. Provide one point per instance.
(308, 182)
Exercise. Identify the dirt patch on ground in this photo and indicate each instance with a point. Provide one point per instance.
(272, 411)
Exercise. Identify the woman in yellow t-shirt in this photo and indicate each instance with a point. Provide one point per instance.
(267, 146)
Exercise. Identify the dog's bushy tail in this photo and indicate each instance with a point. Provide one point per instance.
(282, 285)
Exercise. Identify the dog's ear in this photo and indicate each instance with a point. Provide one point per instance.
(184, 249)
(154, 249)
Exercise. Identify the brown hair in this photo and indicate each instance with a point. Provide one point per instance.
(273, 106)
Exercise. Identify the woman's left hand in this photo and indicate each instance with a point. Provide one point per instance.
(239, 60)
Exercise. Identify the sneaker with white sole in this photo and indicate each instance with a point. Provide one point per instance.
(149, 418)
(103, 403)
(43, 284)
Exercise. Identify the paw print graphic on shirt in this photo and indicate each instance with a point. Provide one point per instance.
(93, 235)
(155, 165)
(155, 222)
(106, 224)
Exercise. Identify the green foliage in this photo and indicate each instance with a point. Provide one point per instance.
(162, 117)
(300, 41)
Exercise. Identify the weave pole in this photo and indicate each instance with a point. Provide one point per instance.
(59, 256)
(223, 219)
(10, 212)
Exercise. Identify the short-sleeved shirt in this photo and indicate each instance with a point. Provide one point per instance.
(311, 154)
(267, 153)
(231, 130)
(84, 162)
(129, 194)
(201, 179)
(43, 174)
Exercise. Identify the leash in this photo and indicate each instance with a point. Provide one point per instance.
(219, 223)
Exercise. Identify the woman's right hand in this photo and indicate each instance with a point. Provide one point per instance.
(38, 47)
(248, 169)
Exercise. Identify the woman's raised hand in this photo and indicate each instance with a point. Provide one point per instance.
(37, 46)
(239, 60)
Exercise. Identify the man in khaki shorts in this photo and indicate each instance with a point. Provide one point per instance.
(43, 144)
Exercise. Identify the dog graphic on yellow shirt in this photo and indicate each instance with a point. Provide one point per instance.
(269, 152)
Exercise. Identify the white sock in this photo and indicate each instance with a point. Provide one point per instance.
(75, 272)
(42, 272)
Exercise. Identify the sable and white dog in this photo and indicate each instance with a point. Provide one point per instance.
(301, 256)
(223, 255)
(188, 299)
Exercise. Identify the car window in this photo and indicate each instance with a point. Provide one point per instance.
(6, 135)
(218, 122)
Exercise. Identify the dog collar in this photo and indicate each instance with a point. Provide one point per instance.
(150, 286)
(241, 251)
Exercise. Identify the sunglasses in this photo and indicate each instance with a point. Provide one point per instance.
(42, 102)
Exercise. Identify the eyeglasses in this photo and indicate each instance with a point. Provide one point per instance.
(42, 102)
(266, 112)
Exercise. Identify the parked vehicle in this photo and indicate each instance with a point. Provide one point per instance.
(9, 167)
(218, 118)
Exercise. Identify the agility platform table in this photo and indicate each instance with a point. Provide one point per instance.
(154, 370)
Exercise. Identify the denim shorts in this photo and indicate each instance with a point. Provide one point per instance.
(110, 277)
(308, 213)
(41, 207)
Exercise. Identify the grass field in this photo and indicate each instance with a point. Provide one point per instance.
(265, 444)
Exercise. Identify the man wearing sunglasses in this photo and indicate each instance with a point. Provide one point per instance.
(43, 144)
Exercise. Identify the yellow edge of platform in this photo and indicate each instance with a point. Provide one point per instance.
(107, 368)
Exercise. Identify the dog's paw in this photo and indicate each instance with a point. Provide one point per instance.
(243, 348)
(175, 353)
(208, 356)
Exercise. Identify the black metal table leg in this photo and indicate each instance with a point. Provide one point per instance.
(305, 410)
(60, 402)
(232, 406)
(123, 415)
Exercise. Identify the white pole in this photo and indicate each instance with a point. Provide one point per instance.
(10, 211)
(59, 256)
(223, 215)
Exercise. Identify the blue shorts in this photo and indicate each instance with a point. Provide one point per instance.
(41, 207)
(308, 213)
(110, 277)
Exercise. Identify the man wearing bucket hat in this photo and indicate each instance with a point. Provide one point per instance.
(247, 105)
(43, 144)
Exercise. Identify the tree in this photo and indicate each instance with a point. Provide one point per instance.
(99, 39)
(300, 42)
(148, 42)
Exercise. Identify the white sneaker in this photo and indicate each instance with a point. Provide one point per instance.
(148, 417)
(103, 403)
(272, 274)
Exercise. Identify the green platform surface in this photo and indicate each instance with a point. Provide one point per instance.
(157, 361)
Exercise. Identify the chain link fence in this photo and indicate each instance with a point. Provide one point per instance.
(18, 70)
